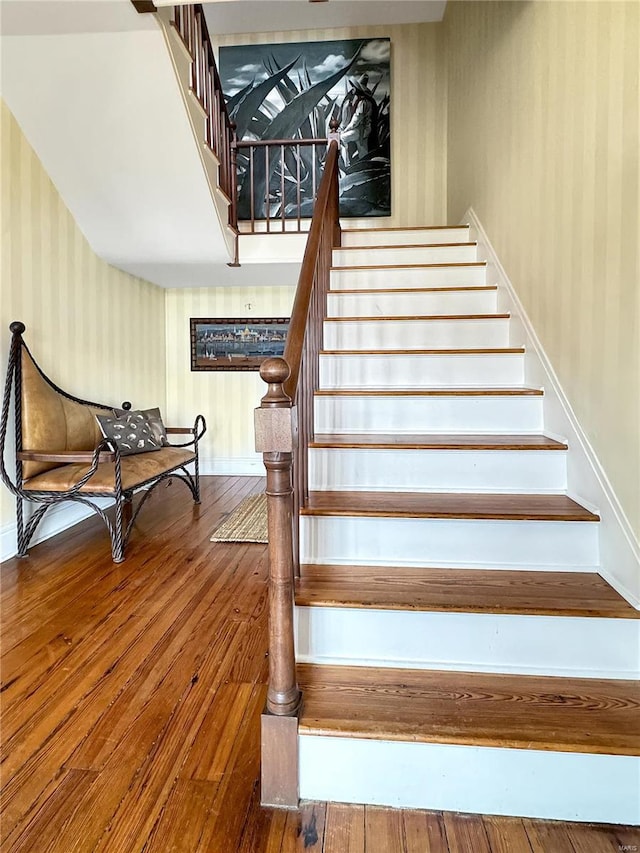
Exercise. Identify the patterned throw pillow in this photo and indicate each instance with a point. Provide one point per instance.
(155, 422)
(131, 432)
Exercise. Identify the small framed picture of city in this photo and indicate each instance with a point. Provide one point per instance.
(236, 344)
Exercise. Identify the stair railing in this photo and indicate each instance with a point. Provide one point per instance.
(277, 183)
(284, 429)
(191, 25)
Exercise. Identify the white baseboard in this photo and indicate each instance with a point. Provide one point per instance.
(57, 519)
(233, 465)
(587, 479)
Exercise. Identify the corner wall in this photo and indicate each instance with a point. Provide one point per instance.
(96, 331)
(543, 142)
(418, 115)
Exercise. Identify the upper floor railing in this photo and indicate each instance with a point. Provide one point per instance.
(277, 183)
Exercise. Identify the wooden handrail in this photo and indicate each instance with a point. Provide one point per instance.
(284, 428)
(326, 207)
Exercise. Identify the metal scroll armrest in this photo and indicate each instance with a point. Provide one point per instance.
(197, 431)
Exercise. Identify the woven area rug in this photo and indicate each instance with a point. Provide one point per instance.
(247, 523)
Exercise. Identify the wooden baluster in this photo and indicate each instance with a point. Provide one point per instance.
(252, 190)
(275, 439)
(298, 183)
(233, 210)
(282, 189)
(266, 187)
(313, 172)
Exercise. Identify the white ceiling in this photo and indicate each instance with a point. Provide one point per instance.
(262, 16)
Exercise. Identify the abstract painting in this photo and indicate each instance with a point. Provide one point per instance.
(293, 91)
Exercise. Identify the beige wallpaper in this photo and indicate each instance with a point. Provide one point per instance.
(96, 331)
(418, 114)
(543, 142)
(226, 399)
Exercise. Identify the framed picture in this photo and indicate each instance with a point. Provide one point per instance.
(236, 344)
(294, 90)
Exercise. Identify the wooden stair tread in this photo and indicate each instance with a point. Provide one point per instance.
(446, 505)
(403, 228)
(429, 392)
(534, 593)
(437, 441)
(479, 709)
(410, 266)
(459, 351)
(468, 288)
(411, 317)
(405, 246)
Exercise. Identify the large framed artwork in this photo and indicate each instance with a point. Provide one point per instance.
(236, 344)
(293, 91)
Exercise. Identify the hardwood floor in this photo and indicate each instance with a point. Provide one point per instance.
(131, 700)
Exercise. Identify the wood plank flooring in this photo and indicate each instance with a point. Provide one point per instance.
(131, 697)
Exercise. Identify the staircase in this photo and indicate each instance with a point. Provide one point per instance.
(456, 647)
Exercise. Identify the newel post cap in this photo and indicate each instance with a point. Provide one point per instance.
(275, 372)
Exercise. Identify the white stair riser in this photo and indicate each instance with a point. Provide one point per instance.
(428, 414)
(405, 304)
(373, 256)
(409, 236)
(416, 334)
(465, 543)
(483, 780)
(421, 371)
(409, 277)
(519, 471)
(469, 642)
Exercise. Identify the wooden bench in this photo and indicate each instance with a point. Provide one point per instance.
(61, 454)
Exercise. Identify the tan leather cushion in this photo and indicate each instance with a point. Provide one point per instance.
(50, 422)
(135, 470)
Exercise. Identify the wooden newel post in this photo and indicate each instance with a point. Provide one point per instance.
(275, 438)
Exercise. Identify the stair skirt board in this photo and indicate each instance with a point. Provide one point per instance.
(421, 370)
(363, 334)
(463, 543)
(574, 646)
(486, 780)
(388, 256)
(418, 276)
(404, 470)
(405, 236)
(387, 303)
(506, 414)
